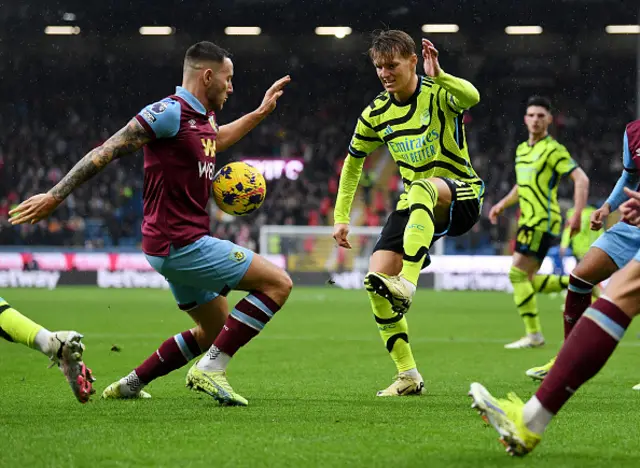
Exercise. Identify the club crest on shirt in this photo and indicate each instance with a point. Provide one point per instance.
(209, 147)
(425, 118)
(237, 256)
(159, 107)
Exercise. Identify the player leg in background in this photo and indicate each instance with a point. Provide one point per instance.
(595, 267)
(177, 351)
(549, 284)
(269, 288)
(521, 273)
(429, 201)
(592, 341)
(63, 348)
(394, 330)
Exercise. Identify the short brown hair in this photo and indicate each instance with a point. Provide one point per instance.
(391, 42)
(205, 51)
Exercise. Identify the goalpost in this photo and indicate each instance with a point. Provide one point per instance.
(311, 249)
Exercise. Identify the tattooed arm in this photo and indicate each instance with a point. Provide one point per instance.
(126, 141)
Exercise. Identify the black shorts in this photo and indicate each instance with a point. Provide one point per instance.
(533, 242)
(463, 215)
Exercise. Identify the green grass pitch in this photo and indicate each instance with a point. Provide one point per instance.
(311, 379)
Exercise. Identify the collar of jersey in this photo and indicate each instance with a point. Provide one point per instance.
(191, 100)
(412, 98)
(539, 141)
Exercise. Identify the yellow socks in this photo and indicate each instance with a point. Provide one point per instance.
(16, 327)
(524, 296)
(550, 283)
(394, 331)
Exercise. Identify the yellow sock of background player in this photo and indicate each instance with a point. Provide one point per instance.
(524, 296)
(17, 328)
(550, 283)
(418, 234)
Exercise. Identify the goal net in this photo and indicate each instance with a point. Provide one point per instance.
(309, 252)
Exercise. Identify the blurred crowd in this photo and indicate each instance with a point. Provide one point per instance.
(51, 114)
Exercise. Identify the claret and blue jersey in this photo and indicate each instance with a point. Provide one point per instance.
(179, 167)
(622, 241)
(630, 164)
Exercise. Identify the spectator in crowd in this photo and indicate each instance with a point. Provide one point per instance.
(43, 133)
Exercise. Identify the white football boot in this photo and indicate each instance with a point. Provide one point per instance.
(66, 350)
(404, 384)
(534, 340)
(398, 290)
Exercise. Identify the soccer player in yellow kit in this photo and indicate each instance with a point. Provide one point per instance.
(582, 241)
(541, 162)
(63, 348)
(419, 119)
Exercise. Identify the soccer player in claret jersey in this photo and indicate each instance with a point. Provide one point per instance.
(612, 251)
(540, 164)
(419, 118)
(180, 136)
(592, 341)
(63, 348)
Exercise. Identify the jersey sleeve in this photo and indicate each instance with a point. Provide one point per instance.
(161, 119)
(562, 162)
(629, 177)
(460, 94)
(631, 146)
(365, 140)
(349, 178)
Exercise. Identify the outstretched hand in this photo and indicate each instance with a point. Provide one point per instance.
(34, 209)
(630, 209)
(273, 94)
(599, 218)
(430, 57)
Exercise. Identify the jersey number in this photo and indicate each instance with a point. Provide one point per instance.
(525, 237)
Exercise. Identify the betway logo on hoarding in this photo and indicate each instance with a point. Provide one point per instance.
(461, 272)
(277, 168)
(29, 279)
(131, 279)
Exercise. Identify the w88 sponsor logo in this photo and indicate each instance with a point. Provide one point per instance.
(206, 169)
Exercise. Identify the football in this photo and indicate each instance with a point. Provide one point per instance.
(239, 189)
